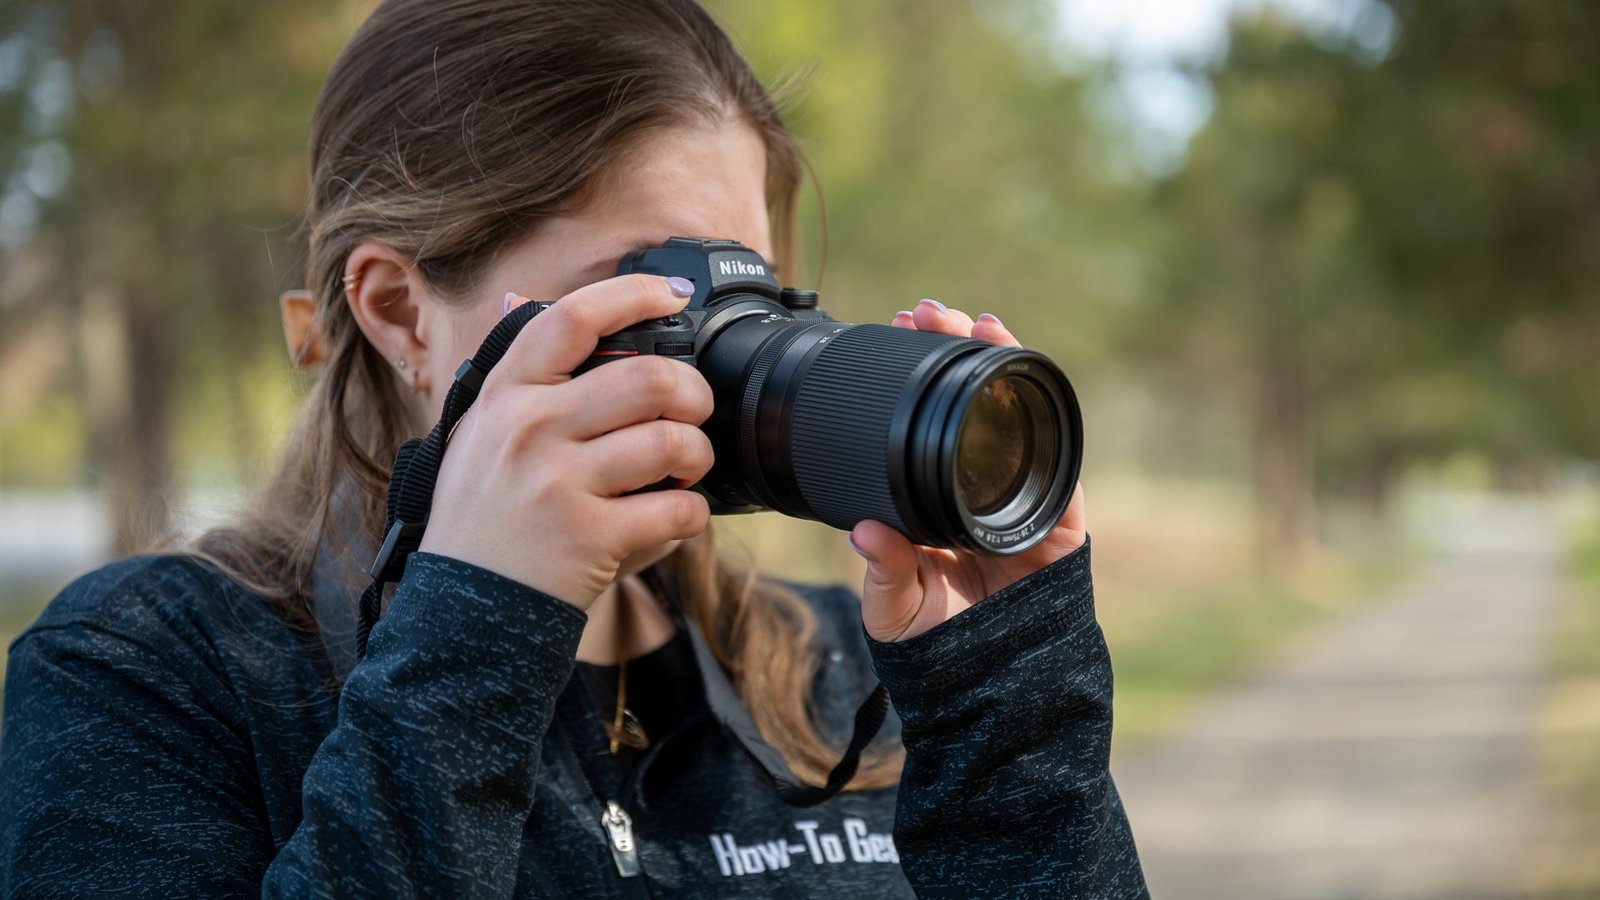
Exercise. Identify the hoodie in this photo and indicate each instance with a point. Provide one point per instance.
(167, 733)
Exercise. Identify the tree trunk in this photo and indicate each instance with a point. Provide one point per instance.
(1376, 481)
(140, 465)
(1284, 480)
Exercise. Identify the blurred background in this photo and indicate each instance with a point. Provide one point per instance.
(1326, 274)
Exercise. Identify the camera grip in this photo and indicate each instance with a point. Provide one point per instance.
(670, 336)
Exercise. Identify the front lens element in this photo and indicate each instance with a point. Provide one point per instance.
(995, 452)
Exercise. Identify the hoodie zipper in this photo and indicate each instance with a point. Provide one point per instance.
(617, 825)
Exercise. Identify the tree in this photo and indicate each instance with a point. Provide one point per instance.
(180, 128)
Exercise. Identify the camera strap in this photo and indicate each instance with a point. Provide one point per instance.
(411, 484)
(416, 469)
(726, 708)
(731, 713)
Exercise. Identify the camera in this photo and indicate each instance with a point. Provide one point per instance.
(952, 441)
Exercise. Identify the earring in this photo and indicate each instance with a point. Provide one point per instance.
(351, 282)
(416, 375)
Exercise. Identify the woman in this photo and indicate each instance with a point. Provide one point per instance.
(529, 718)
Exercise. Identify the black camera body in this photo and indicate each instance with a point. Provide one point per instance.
(952, 441)
(731, 281)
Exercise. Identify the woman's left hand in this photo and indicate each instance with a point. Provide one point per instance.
(910, 589)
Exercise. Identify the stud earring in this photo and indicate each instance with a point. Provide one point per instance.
(416, 375)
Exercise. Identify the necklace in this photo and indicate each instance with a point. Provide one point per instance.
(626, 728)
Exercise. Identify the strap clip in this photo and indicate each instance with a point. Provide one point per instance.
(470, 376)
(401, 541)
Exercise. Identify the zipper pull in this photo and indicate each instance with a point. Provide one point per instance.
(619, 825)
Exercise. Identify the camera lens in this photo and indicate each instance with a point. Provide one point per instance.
(952, 441)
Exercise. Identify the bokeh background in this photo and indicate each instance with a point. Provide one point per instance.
(1325, 272)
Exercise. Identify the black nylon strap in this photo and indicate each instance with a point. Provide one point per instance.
(728, 710)
(416, 469)
(411, 484)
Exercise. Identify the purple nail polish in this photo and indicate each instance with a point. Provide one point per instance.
(936, 304)
(850, 539)
(903, 312)
(680, 287)
(991, 317)
(505, 308)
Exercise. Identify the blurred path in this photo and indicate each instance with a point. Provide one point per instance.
(1390, 755)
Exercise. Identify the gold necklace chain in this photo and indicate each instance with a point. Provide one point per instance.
(625, 726)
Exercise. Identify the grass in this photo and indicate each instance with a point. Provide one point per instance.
(1211, 636)
(1570, 731)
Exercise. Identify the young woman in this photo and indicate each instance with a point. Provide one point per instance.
(530, 717)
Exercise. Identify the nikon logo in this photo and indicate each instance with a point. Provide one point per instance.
(735, 267)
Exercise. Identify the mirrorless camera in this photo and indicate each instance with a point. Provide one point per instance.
(952, 441)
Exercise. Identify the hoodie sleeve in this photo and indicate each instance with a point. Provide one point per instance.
(1007, 727)
(425, 785)
(124, 769)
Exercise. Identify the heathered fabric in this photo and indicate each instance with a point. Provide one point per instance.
(168, 734)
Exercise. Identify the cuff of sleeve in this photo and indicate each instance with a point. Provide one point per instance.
(963, 649)
(457, 603)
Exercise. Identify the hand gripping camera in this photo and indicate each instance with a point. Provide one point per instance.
(953, 441)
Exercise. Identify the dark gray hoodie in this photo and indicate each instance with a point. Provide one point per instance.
(169, 734)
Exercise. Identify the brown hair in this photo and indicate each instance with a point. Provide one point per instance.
(448, 129)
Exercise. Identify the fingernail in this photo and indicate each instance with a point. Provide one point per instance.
(935, 304)
(851, 540)
(511, 297)
(903, 312)
(680, 287)
(991, 317)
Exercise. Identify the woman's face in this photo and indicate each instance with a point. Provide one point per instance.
(694, 181)
(705, 181)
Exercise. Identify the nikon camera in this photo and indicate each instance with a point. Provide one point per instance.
(955, 442)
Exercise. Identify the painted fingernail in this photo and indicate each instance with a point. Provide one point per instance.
(510, 301)
(935, 304)
(902, 314)
(680, 287)
(851, 540)
(991, 317)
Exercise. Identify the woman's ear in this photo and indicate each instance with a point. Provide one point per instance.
(390, 302)
(307, 349)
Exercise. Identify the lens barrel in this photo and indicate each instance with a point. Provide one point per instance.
(952, 441)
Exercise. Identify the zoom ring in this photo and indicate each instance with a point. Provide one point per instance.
(843, 417)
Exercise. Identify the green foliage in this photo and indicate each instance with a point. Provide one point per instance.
(1578, 651)
(1363, 264)
(1208, 637)
(945, 149)
(1570, 755)
(1388, 263)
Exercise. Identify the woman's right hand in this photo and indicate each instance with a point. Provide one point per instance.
(535, 485)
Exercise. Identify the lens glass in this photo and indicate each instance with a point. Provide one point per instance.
(997, 446)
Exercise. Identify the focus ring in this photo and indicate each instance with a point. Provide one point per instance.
(750, 409)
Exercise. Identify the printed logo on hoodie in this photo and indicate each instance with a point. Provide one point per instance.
(814, 847)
